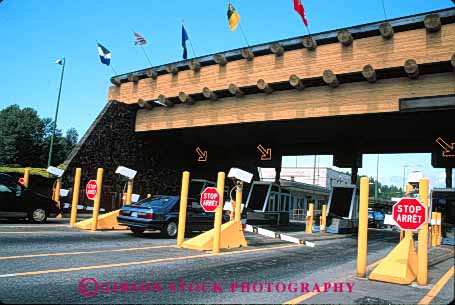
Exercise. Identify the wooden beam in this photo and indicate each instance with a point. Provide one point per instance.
(432, 23)
(209, 94)
(165, 101)
(296, 82)
(247, 53)
(172, 69)
(220, 59)
(195, 65)
(144, 104)
(133, 78)
(263, 86)
(369, 73)
(309, 43)
(345, 38)
(115, 81)
(277, 49)
(185, 98)
(330, 78)
(151, 73)
(234, 90)
(411, 68)
(386, 30)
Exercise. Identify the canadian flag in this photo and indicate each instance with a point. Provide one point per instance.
(298, 7)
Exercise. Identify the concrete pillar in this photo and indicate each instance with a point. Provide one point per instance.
(278, 174)
(449, 178)
(354, 172)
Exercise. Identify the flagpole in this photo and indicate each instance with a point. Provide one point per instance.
(145, 53)
(115, 72)
(383, 7)
(243, 33)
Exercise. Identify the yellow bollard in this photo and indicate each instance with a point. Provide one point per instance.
(438, 228)
(129, 192)
(409, 189)
(58, 187)
(96, 204)
(309, 219)
(362, 243)
(433, 229)
(74, 203)
(149, 195)
(26, 176)
(323, 221)
(422, 249)
(218, 213)
(238, 201)
(183, 205)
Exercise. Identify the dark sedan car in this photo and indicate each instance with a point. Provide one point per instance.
(16, 201)
(162, 213)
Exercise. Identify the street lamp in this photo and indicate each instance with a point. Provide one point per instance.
(61, 62)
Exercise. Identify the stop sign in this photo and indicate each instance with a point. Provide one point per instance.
(91, 189)
(409, 214)
(21, 181)
(210, 199)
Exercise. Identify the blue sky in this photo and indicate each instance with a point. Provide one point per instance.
(35, 33)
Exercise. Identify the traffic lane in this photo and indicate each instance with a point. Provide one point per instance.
(75, 240)
(294, 264)
(386, 293)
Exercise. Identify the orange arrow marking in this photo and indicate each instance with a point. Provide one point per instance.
(266, 153)
(202, 155)
(449, 150)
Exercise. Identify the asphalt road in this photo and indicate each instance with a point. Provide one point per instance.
(129, 269)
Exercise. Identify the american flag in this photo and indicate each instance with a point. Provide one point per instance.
(139, 39)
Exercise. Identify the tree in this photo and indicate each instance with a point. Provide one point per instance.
(25, 139)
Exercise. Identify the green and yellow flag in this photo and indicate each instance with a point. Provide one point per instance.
(233, 17)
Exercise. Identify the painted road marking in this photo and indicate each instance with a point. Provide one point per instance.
(40, 232)
(309, 295)
(84, 252)
(437, 287)
(36, 226)
(152, 261)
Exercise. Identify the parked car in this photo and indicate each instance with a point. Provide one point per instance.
(162, 213)
(16, 201)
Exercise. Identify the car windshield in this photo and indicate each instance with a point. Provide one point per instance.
(154, 202)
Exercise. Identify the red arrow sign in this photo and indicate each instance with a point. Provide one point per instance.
(409, 214)
(210, 199)
(449, 150)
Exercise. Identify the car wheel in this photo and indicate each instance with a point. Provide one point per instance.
(170, 229)
(37, 215)
(137, 231)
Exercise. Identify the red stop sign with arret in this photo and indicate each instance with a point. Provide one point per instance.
(91, 189)
(210, 199)
(409, 214)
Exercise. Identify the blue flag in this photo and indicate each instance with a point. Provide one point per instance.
(105, 54)
(184, 39)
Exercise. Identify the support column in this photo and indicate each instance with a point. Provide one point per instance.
(449, 178)
(278, 174)
(354, 172)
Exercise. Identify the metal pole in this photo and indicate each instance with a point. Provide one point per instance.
(183, 205)
(238, 201)
(56, 114)
(218, 214)
(362, 244)
(74, 203)
(96, 204)
(422, 250)
(377, 180)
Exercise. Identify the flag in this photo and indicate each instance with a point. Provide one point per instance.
(105, 54)
(233, 17)
(298, 7)
(139, 39)
(184, 39)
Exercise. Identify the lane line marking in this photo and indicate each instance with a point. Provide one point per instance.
(40, 232)
(84, 252)
(152, 261)
(437, 287)
(36, 226)
(309, 295)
